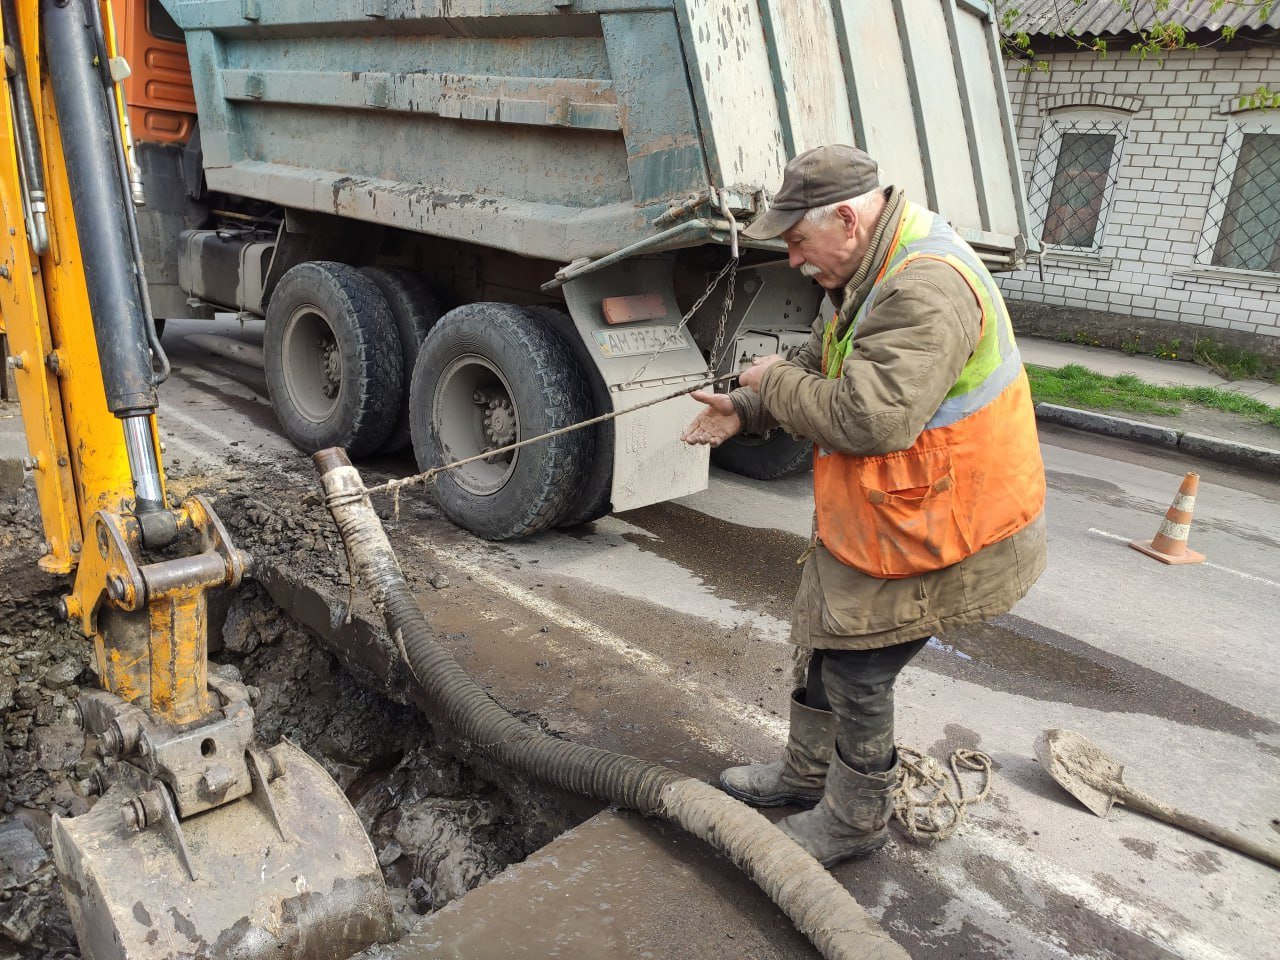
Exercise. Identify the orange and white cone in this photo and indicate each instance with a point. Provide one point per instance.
(1169, 545)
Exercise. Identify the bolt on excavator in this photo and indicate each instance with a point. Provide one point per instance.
(200, 844)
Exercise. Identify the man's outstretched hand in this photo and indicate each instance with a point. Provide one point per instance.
(717, 423)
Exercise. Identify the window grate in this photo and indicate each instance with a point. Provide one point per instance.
(1248, 227)
(1072, 181)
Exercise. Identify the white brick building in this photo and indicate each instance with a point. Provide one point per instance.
(1156, 194)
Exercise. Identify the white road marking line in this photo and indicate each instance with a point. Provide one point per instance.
(1109, 536)
(202, 456)
(222, 439)
(1124, 913)
(1213, 566)
(1242, 574)
(773, 726)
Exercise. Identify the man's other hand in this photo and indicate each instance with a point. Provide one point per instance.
(752, 376)
(715, 424)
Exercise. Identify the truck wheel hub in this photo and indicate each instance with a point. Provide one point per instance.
(332, 365)
(500, 423)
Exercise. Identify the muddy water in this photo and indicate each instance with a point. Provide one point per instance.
(1023, 657)
(746, 565)
(756, 568)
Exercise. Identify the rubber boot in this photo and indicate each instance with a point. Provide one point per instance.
(852, 819)
(800, 776)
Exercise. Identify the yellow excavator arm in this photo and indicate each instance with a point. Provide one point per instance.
(229, 850)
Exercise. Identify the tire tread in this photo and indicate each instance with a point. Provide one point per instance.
(564, 392)
(414, 310)
(377, 356)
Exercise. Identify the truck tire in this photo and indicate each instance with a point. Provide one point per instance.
(414, 308)
(597, 489)
(766, 456)
(486, 374)
(332, 359)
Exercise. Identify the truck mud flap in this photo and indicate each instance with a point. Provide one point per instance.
(650, 463)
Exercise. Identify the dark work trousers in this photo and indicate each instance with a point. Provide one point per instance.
(857, 685)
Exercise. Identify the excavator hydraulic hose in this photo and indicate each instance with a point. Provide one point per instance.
(819, 906)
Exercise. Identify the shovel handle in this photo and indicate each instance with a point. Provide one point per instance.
(1137, 800)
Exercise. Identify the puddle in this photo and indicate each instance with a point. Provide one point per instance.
(756, 568)
(998, 646)
(750, 566)
(1022, 657)
(937, 644)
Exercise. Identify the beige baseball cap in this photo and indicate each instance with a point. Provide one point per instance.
(816, 178)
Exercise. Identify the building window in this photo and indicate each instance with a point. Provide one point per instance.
(1073, 179)
(1248, 233)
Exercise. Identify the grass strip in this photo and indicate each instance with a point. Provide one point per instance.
(1075, 386)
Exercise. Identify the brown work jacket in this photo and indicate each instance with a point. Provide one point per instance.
(906, 354)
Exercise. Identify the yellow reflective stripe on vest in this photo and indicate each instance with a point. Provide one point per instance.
(915, 222)
(995, 362)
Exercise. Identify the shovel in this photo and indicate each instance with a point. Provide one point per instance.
(1094, 779)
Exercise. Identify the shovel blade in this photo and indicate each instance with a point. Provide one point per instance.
(316, 893)
(1082, 769)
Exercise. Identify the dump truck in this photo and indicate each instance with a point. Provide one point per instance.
(468, 222)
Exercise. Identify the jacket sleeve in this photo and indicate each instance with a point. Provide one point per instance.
(755, 416)
(905, 357)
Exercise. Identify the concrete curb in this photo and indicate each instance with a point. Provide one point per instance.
(1208, 448)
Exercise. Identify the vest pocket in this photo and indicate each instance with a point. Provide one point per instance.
(911, 512)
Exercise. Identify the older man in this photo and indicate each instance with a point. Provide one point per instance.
(928, 482)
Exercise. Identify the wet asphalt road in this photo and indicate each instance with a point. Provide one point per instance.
(662, 632)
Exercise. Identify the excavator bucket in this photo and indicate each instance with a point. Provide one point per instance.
(284, 872)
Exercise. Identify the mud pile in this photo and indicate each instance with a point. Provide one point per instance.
(437, 827)
(42, 664)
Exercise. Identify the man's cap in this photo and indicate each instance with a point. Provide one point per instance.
(816, 178)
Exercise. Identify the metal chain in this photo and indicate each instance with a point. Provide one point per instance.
(725, 310)
(731, 269)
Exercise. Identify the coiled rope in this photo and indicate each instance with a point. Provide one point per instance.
(926, 805)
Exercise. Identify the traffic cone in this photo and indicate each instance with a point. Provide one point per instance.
(1169, 545)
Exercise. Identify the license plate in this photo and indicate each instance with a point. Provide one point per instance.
(634, 341)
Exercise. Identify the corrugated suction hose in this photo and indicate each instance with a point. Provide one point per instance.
(820, 908)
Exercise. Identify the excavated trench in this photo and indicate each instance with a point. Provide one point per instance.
(438, 826)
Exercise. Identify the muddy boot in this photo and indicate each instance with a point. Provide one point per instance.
(852, 819)
(800, 775)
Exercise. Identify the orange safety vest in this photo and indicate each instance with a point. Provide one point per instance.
(973, 477)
